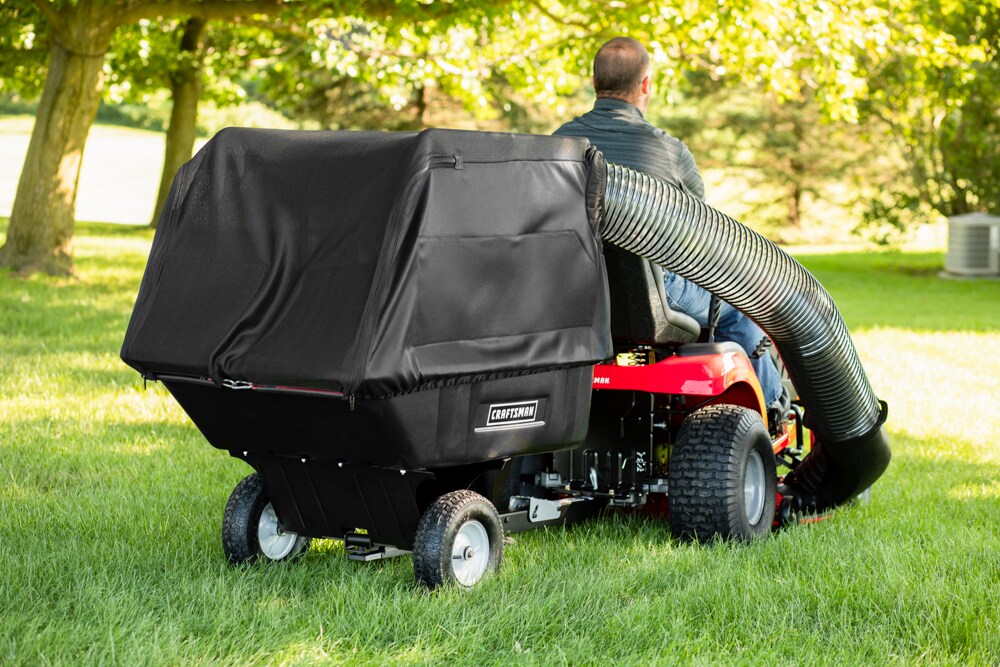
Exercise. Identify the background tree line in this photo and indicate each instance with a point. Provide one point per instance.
(897, 100)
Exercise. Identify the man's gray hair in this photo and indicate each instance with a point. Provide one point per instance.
(619, 67)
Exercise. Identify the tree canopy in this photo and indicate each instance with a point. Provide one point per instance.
(922, 75)
(935, 83)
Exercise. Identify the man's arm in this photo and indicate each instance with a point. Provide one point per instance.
(689, 174)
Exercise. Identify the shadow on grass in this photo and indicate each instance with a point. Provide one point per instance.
(79, 325)
(64, 315)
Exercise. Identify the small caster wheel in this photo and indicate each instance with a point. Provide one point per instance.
(250, 527)
(459, 539)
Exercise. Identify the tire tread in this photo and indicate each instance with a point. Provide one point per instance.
(239, 523)
(430, 567)
(706, 475)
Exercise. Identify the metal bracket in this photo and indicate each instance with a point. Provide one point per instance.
(373, 553)
(237, 384)
(657, 485)
(544, 510)
(359, 547)
(540, 510)
(549, 480)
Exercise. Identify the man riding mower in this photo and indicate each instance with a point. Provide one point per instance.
(421, 341)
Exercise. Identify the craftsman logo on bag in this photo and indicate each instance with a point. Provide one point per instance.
(508, 414)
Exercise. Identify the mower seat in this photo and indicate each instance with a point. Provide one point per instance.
(639, 310)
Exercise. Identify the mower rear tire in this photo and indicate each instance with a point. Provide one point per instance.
(250, 527)
(723, 476)
(459, 540)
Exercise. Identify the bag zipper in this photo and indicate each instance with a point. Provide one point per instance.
(379, 283)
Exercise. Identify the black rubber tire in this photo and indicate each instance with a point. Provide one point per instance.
(432, 546)
(707, 472)
(240, 521)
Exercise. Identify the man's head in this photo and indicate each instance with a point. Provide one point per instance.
(622, 71)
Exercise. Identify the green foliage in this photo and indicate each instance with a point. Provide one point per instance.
(935, 83)
(25, 48)
(395, 74)
(15, 105)
(147, 116)
(895, 100)
(889, 216)
(343, 73)
(778, 47)
(790, 157)
(145, 57)
(111, 503)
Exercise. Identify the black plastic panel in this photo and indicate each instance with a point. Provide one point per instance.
(434, 428)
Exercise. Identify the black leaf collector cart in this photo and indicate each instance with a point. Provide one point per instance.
(419, 342)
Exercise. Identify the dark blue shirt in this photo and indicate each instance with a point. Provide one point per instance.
(619, 130)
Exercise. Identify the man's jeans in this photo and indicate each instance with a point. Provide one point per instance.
(693, 300)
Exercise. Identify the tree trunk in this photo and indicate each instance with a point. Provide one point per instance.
(186, 88)
(796, 165)
(794, 204)
(40, 234)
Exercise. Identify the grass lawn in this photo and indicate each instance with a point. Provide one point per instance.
(111, 503)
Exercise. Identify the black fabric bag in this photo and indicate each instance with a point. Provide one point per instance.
(375, 264)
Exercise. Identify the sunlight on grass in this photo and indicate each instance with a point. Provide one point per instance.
(988, 490)
(111, 502)
(938, 385)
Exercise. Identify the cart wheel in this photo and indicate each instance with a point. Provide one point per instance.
(250, 527)
(459, 539)
(723, 477)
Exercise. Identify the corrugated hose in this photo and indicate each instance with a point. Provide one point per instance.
(686, 236)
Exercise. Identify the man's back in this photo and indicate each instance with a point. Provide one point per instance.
(618, 129)
(616, 126)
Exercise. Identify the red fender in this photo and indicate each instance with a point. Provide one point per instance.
(728, 372)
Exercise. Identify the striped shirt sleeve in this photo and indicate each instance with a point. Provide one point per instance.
(690, 177)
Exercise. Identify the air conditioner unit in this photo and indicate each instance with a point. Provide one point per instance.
(973, 245)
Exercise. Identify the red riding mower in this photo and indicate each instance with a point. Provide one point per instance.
(423, 341)
(677, 427)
